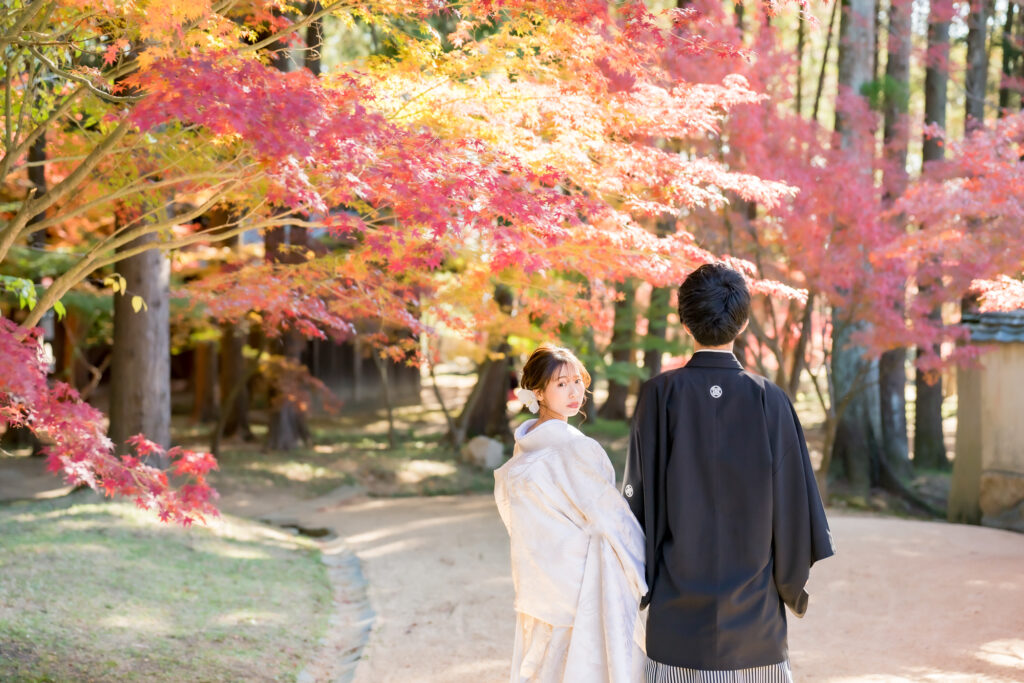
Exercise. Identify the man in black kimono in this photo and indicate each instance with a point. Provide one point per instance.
(719, 477)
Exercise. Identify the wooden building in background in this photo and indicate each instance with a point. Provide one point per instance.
(988, 472)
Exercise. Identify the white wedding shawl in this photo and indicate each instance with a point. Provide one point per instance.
(577, 550)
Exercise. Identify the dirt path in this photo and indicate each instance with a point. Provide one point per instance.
(902, 601)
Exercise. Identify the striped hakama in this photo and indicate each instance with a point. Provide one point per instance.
(656, 672)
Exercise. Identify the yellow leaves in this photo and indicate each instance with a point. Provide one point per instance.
(162, 19)
(116, 282)
(119, 285)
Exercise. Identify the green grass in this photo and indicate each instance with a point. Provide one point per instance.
(102, 591)
(421, 463)
(346, 451)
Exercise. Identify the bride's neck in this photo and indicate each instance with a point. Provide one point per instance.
(546, 415)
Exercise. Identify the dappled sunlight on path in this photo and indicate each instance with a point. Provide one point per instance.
(914, 601)
(902, 601)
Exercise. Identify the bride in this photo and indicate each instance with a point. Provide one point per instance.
(577, 550)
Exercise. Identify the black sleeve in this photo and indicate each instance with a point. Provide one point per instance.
(647, 438)
(800, 530)
(641, 433)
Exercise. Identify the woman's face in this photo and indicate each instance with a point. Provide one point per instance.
(563, 396)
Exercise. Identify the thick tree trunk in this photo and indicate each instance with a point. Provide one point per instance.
(856, 445)
(288, 428)
(233, 381)
(140, 395)
(854, 393)
(936, 79)
(204, 382)
(1011, 55)
(892, 372)
(892, 386)
(929, 442)
(856, 54)
(384, 370)
(314, 41)
(929, 446)
(976, 81)
(897, 72)
(486, 410)
(657, 329)
(622, 350)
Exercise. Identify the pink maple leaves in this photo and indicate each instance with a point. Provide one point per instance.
(74, 438)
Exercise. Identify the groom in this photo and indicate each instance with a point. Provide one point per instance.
(719, 477)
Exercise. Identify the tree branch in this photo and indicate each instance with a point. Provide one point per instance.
(92, 260)
(28, 14)
(19, 151)
(36, 206)
(115, 99)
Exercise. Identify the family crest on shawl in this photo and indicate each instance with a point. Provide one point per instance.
(577, 550)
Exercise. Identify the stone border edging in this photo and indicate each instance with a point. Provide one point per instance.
(348, 627)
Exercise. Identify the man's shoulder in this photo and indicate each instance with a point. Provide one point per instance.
(686, 373)
(774, 397)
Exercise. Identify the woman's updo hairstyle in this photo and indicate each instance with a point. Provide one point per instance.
(544, 364)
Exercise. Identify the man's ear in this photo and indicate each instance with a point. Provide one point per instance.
(742, 329)
(687, 330)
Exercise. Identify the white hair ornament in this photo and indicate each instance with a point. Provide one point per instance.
(528, 399)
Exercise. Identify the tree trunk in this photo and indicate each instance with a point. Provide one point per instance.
(288, 428)
(1010, 54)
(936, 78)
(140, 395)
(929, 446)
(37, 176)
(801, 32)
(856, 445)
(929, 442)
(657, 329)
(233, 381)
(383, 368)
(854, 393)
(892, 386)
(976, 81)
(824, 61)
(892, 372)
(486, 410)
(314, 41)
(856, 43)
(897, 72)
(622, 349)
(800, 351)
(204, 374)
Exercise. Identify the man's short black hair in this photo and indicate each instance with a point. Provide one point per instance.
(714, 303)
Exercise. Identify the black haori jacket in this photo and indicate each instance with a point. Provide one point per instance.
(719, 477)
